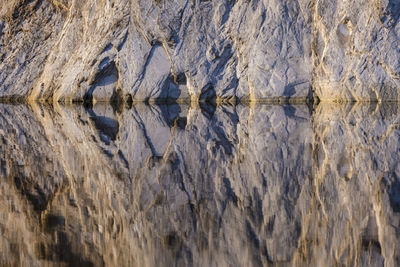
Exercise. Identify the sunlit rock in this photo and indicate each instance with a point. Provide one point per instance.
(97, 50)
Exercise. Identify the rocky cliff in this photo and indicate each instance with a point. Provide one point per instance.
(200, 186)
(70, 50)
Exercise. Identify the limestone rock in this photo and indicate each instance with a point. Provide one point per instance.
(356, 50)
(139, 50)
(97, 50)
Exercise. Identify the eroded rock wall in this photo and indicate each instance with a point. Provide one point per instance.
(356, 50)
(74, 50)
(107, 50)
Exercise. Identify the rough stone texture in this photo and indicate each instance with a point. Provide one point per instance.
(140, 49)
(357, 50)
(200, 185)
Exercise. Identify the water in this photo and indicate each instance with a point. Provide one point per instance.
(180, 185)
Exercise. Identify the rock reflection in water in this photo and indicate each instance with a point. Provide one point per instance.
(200, 185)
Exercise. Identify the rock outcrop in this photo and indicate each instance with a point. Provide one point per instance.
(199, 185)
(357, 50)
(66, 50)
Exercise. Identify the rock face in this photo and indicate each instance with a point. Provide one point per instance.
(201, 185)
(357, 50)
(64, 50)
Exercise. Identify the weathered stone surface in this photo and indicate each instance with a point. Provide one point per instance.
(204, 186)
(356, 50)
(139, 49)
(96, 50)
(73, 50)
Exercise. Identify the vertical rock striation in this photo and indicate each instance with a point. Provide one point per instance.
(138, 50)
(356, 50)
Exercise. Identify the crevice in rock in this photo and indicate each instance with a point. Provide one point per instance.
(208, 94)
(108, 75)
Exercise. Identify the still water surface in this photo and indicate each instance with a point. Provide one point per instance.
(181, 185)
